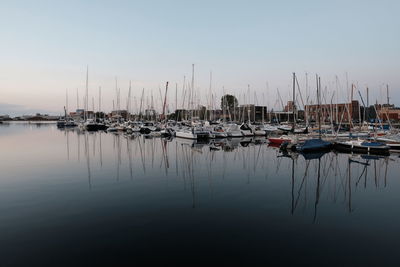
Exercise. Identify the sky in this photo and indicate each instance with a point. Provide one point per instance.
(251, 47)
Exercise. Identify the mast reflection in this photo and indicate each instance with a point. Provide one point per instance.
(328, 178)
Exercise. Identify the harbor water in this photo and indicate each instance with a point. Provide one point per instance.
(71, 198)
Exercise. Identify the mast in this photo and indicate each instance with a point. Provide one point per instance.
(141, 103)
(367, 117)
(248, 104)
(319, 105)
(306, 106)
(93, 104)
(176, 97)
(77, 98)
(129, 101)
(165, 101)
(66, 100)
(210, 94)
(262, 113)
(254, 111)
(184, 91)
(359, 111)
(99, 98)
(223, 103)
(294, 99)
(351, 105)
(268, 103)
(116, 94)
(87, 93)
(387, 93)
(152, 106)
(192, 92)
(337, 101)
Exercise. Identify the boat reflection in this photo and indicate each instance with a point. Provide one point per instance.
(325, 177)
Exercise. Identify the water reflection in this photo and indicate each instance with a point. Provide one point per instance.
(336, 175)
(314, 178)
(75, 194)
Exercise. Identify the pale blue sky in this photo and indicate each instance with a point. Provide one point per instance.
(46, 45)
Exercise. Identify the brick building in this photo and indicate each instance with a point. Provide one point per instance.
(388, 112)
(336, 112)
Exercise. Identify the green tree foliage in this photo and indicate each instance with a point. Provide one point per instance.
(229, 102)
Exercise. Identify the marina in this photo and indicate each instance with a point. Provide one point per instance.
(151, 195)
(329, 127)
(199, 133)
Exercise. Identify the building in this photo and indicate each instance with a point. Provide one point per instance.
(150, 114)
(116, 114)
(388, 112)
(200, 113)
(250, 112)
(288, 107)
(335, 112)
(77, 115)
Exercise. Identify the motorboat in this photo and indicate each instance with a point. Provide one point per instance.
(246, 130)
(269, 128)
(279, 140)
(233, 130)
(61, 123)
(147, 127)
(219, 132)
(258, 130)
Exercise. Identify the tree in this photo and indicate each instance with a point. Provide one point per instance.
(229, 102)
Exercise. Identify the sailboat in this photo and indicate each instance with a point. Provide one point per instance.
(361, 146)
(393, 141)
(314, 144)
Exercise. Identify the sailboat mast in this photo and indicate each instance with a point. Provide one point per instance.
(129, 101)
(294, 99)
(210, 96)
(183, 92)
(337, 101)
(99, 98)
(319, 105)
(306, 107)
(192, 92)
(141, 103)
(66, 100)
(165, 101)
(77, 98)
(387, 93)
(367, 116)
(176, 97)
(87, 93)
(254, 111)
(262, 114)
(93, 104)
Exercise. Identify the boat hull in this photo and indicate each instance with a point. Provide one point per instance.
(313, 145)
(278, 141)
(342, 147)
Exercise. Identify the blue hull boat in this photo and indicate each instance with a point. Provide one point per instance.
(313, 145)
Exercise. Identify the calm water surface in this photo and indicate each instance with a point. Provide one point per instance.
(72, 198)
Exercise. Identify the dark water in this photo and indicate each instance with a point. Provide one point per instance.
(70, 198)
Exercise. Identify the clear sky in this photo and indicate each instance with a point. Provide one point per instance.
(45, 47)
